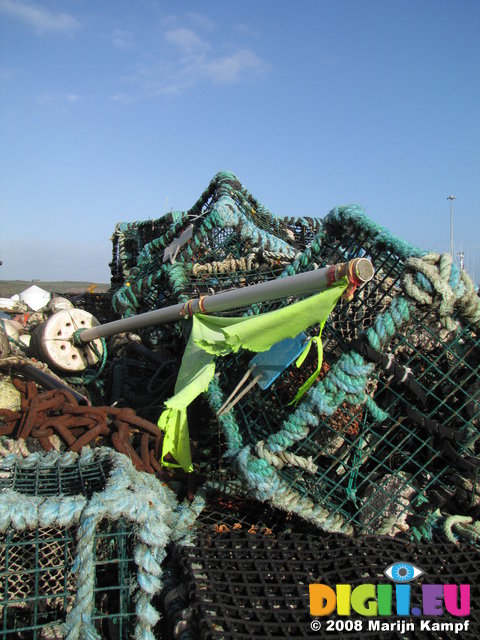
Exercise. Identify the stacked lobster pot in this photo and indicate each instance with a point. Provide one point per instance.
(387, 439)
(317, 442)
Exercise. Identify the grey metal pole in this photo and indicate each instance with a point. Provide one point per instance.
(451, 198)
(358, 270)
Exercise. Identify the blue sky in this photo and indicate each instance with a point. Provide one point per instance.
(122, 110)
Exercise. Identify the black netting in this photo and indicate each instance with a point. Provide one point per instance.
(241, 585)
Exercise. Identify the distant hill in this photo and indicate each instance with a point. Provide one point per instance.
(9, 288)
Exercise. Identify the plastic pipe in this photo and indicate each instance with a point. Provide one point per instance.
(359, 271)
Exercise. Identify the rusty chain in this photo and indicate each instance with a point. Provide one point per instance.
(57, 412)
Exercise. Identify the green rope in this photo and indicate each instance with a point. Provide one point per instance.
(93, 376)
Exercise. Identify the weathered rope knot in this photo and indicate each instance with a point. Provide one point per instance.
(433, 280)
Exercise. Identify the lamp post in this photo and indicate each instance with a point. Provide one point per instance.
(451, 198)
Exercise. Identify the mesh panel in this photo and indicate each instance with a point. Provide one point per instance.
(243, 586)
(388, 475)
(69, 480)
(37, 579)
(38, 586)
(235, 241)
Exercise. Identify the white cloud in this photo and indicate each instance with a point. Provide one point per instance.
(232, 68)
(187, 58)
(59, 98)
(122, 39)
(186, 40)
(39, 18)
(175, 76)
(246, 30)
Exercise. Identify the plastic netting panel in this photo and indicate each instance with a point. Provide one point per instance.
(152, 236)
(130, 238)
(366, 472)
(303, 230)
(142, 384)
(54, 480)
(377, 474)
(38, 584)
(229, 511)
(216, 244)
(115, 572)
(255, 586)
(219, 258)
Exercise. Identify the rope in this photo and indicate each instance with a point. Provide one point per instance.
(230, 265)
(232, 233)
(434, 281)
(17, 447)
(262, 478)
(462, 527)
(137, 497)
(285, 458)
(225, 204)
(266, 485)
(388, 323)
(346, 381)
(351, 220)
(93, 376)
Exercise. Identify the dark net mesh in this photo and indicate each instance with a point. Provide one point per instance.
(246, 585)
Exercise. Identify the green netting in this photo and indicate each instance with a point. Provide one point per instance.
(387, 439)
(57, 479)
(38, 584)
(391, 431)
(235, 241)
(82, 539)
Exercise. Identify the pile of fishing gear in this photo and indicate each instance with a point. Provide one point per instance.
(258, 405)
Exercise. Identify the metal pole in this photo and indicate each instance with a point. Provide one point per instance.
(359, 270)
(451, 198)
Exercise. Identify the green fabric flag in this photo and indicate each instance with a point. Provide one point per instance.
(218, 336)
(301, 359)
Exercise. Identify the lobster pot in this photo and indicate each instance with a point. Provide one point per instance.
(67, 546)
(387, 439)
(226, 509)
(227, 239)
(39, 587)
(238, 585)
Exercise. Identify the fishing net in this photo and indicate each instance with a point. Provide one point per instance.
(81, 543)
(239, 585)
(227, 239)
(38, 583)
(390, 433)
(39, 588)
(387, 439)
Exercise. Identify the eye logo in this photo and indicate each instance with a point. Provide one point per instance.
(367, 599)
(402, 572)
